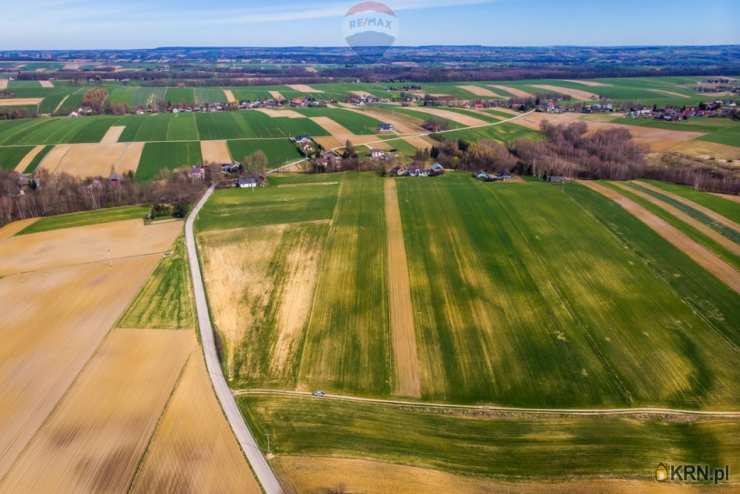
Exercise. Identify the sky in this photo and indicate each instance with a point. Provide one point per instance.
(117, 24)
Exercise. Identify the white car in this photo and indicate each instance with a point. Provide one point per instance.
(319, 394)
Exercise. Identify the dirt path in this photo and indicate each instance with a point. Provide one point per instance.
(401, 308)
(28, 158)
(700, 254)
(404, 127)
(706, 211)
(494, 410)
(697, 225)
(215, 152)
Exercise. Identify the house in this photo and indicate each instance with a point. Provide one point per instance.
(115, 178)
(386, 127)
(554, 179)
(247, 183)
(438, 168)
(379, 154)
(198, 172)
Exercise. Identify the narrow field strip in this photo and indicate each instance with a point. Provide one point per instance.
(480, 91)
(700, 254)
(28, 158)
(20, 101)
(727, 196)
(587, 83)
(230, 98)
(407, 381)
(697, 225)
(705, 211)
(512, 90)
(215, 152)
(493, 410)
(303, 88)
(579, 94)
(113, 134)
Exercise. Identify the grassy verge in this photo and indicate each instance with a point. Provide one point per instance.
(85, 218)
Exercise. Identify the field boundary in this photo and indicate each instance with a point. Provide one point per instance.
(637, 412)
(244, 436)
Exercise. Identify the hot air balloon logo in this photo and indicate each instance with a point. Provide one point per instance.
(661, 473)
(370, 28)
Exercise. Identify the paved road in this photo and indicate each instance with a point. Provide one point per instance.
(622, 412)
(256, 459)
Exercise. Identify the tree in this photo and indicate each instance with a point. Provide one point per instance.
(255, 165)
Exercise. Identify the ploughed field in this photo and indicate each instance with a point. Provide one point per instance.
(522, 294)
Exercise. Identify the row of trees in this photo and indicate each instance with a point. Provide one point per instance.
(51, 194)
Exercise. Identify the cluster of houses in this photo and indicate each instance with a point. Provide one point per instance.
(306, 146)
(434, 171)
(717, 108)
(554, 106)
(727, 85)
(484, 176)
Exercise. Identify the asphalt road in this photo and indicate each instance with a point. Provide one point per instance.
(244, 436)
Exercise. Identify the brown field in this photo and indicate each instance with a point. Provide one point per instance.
(454, 116)
(84, 245)
(94, 160)
(46, 84)
(422, 93)
(706, 211)
(512, 90)
(193, 448)
(20, 101)
(669, 93)
(709, 150)
(700, 254)
(303, 88)
(315, 475)
(49, 330)
(573, 93)
(695, 224)
(480, 91)
(95, 437)
(72, 66)
(113, 134)
(657, 139)
(587, 83)
(236, 274)
(230, 98)
(340, 135)
(405, 355)
(11, 229)
(277, 96)
(28, 158)
(280, 113)
(215, 152)
(3, 84)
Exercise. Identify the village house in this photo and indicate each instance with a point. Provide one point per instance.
(386, 127)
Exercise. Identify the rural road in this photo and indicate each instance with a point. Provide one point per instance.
(622, 412)
(257, 460)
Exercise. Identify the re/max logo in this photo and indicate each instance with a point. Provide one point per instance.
(365, 22)
(692, 473)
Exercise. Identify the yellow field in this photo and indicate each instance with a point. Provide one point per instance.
(460, 118)
(94, 160)
(11, 229)
(303, 88)
(277, 96)
(230, 98)
(46, 84)
(512, 90)
(93, 440)
(113, 134)
(281, 113)
(20, 101)
(480, 91)
(316, 474)
(579, 94)
(215, 152)
(193, 448)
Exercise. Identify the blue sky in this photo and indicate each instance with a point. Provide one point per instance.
(67, 24)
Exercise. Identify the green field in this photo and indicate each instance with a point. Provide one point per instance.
(37, 159)
(520, 449)
(278, 152)
(180, 95)
(236, 208)
(10, 157)
(166, 301)
(503, 133)
(85, 218)
(158, 156)
(354, 122)
(511, 308)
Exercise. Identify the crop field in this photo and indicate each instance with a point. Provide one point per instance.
(354, 122)
(180, 95)
(719, 130)
(516, 448)
(503, 133)
(158, 156)
(724, 207)
(98, 216)
(51, 329)
(166, 301)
